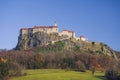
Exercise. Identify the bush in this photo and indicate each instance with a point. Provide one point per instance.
(3, 68)
(111, 74)
(80, 66)
(93, 70)
(15, 69)
(67, 69)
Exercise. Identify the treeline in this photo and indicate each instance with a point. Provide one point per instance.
(76, 61)
(13, 62)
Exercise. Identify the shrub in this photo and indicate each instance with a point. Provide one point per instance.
(67, 69)
(15, 69)
(3, 68)
(112, 74)
(93, 69)
(76, 48)
(80, 66)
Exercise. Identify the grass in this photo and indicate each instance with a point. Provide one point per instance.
(58, 74)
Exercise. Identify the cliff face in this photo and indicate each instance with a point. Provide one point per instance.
(28, 41)
(55, 42)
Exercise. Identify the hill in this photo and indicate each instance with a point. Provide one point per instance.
(54, 41)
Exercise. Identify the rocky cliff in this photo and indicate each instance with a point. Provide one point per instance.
(28, 41)
(55, 42)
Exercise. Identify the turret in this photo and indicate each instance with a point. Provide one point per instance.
(55, 24)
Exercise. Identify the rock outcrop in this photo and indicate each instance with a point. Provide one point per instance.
(45, 40)
(28, 41)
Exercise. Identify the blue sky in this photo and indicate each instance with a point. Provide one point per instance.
(98, 20)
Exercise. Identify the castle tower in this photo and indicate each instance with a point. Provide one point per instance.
(55, 24)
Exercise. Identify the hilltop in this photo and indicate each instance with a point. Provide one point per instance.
(48, 38)
(44, 47)
(44, 35)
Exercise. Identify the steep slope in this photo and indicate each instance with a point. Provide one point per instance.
(53, 42)
(28, 41)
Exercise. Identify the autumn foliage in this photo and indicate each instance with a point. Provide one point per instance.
(3, 68)
(75, 61)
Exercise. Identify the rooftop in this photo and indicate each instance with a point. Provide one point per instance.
(37, 27)
(69, 31)
(45, 26)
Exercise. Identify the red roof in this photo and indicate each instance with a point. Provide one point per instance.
(82, 36)
(45, 27)
(64, 30)
(69, 31)
(37, 27)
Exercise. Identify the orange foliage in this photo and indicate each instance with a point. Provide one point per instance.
(3, 60)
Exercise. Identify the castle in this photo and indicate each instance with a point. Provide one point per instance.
(46, 29)
(51, 29)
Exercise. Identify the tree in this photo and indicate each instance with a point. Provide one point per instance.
(80, 66)
(83, 57)
(76, 48)
(105, 61)
(111, 74)
(15, 69)
(93, 70)
(93, 43)
(38, 61)
(3, 68)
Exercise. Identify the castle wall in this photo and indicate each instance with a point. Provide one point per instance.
(35, 30)
(30, 30)
(68, 33)
(55, 30)
(82, 38)
(76, 38)
(71, 34)
(24, 31)
(45, 29)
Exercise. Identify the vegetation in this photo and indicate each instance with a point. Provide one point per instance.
(73, 60)
(113, 72)
(111, 75)
(15, 69)
(58, 74)
(3, 68)
(80, 59)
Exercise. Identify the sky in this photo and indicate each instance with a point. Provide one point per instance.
(97, 20)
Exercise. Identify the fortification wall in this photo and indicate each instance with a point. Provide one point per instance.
(52, 29)
(68, 33)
